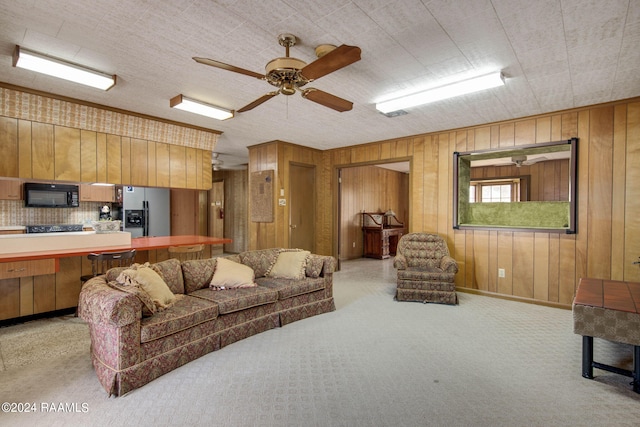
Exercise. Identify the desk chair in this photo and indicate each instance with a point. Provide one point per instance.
(103, 261)
(186, 253)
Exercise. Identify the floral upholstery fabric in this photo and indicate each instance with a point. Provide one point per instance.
(426, 271)
(129, 350)
(185, 313)
(230, 300)
(260, 260)
(288, 288)
(171, 273)
(198, 273)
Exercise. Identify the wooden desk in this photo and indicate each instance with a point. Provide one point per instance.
(610, 310)
(381, 243)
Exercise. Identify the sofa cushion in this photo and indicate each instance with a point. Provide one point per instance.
(426, 274)
(260, 260)
(197, 273)
(288, 288)
(289, 265)
(171, 273)
(185, 313)
(231, 300)
(149, 281)
(231, 275)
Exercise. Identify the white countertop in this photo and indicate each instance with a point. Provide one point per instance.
(19, 243)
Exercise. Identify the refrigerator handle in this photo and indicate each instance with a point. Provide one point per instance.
(145, 205)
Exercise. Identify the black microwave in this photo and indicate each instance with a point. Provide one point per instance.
(39, 195)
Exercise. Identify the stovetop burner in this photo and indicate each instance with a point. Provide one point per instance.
(53, 228)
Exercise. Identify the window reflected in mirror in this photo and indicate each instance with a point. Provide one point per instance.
(522, 188)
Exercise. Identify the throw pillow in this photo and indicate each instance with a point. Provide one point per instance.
(290, 265)
(150, 282)
(231, 275)
(148, 306)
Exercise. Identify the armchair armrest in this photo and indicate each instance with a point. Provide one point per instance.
(99, 303)
(448, 264)
(400, 262)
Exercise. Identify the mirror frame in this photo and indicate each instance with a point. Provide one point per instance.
(502, 152)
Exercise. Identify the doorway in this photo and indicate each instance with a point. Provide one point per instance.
(216, 209)
(302, 209)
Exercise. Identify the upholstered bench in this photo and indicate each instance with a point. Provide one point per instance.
(609, 310)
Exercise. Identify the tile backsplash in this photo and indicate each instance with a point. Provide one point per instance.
(13, 212)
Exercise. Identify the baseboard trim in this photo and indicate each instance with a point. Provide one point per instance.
(514, 298)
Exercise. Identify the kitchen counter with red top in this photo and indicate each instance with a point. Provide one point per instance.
(139, 243)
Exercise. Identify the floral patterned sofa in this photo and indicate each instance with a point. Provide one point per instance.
(131, 346)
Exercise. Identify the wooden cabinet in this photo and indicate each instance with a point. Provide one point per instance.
(42, 158)
(97, 193)
(66, 147)
(88, 156)
(10, 189)
(9, 144)
(43, 151)
(10, 270)
(381, 235)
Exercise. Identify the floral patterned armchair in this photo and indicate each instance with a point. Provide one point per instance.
(426, 271)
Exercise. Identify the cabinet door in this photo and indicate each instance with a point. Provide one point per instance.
(9, 298)
(24, 149)
(88, 156)
(97, 193)
(139, 169)
(162, 165)
(101, 157)
(114, 159)
(192, 169)
(125, 160)
(9, 144)
(66, 149)
(42, 160)
(178, 166)
(10, 189)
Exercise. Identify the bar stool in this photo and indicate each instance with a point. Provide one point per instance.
(103, 261)
(186, 253)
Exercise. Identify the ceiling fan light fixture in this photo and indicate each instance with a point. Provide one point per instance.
(45, 64)
(451, 90)
(181, 102)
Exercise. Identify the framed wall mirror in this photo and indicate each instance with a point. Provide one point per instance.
(519, 188)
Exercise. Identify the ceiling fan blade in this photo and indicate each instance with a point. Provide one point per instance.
(218, 64)
(254, 104)
(332, 61)
(328, 100)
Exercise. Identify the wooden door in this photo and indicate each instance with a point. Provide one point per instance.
(302, 209)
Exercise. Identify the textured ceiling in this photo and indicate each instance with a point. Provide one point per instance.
(555, 55)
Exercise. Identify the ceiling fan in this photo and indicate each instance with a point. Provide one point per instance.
(216, 163)
(521, 160)
(289, 74)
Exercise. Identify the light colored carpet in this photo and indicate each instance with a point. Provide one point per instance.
(372, 362)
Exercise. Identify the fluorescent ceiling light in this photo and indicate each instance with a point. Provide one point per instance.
(41, 63)
(463, 87)
(183, 103)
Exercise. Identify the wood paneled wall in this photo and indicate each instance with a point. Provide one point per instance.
(278, 156)
(540, 266)
(368, 189)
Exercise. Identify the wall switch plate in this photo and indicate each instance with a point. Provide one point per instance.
(282, 202)
(501, 272)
